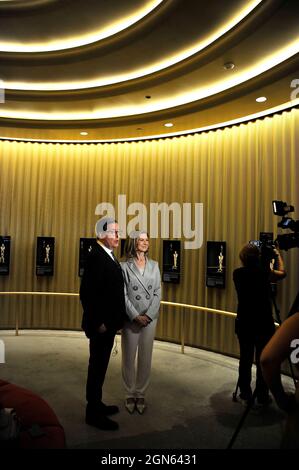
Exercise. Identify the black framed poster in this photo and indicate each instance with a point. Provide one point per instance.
(86, 246)
(171, 261)
(45, 256)
(216, 264)
(4, 255)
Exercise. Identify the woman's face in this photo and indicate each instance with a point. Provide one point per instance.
(142, 243)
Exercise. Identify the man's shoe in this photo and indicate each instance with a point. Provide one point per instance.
(130, 405)
(140, 405)
(101, 422)
(109, 410)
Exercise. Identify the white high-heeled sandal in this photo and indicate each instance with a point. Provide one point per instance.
(130, 404)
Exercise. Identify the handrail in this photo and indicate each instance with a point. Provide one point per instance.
(163, 302)
(71, 294)
(197, 307)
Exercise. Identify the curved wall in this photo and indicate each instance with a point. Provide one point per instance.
(53, 189)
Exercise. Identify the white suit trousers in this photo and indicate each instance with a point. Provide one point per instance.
(135, 338)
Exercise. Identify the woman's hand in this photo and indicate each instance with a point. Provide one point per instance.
(142, 320)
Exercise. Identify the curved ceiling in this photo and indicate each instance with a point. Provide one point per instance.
(124, 68)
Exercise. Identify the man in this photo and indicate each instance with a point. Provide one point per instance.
(102, 298)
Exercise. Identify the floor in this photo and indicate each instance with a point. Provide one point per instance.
(189, 400)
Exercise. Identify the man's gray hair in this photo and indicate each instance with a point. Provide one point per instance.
(102, 225)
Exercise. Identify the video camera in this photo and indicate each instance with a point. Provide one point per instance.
(287, 240)
(266, 247)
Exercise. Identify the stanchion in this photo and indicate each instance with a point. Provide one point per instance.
(17, 323)
(183, 332)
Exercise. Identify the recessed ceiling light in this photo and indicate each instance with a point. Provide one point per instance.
(229, 66)
(168, 124)
(83, 133)
(261, 99)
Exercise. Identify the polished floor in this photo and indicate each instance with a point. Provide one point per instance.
(189, 400)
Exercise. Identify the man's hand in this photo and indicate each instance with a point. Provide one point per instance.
(102, 328)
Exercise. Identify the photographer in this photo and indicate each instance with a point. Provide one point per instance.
(254, 323)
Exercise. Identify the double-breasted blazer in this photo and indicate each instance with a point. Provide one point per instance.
(102, 293)
(142, 291)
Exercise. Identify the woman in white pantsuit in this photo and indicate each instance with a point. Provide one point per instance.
(142, 296)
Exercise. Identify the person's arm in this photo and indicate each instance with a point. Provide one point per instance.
(130, 309)
(279, 272)
(274, 353)
(93, 277)
(153, 310)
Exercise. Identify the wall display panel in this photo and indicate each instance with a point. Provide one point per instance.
(85, 247)
(216, 264)
(4, 255)
(45, 247)
(171, 261)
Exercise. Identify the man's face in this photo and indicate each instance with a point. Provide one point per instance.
(111, 239)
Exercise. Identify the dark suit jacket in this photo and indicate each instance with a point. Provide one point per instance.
(102, 293)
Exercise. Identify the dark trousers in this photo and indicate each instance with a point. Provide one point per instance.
(250, 343)
(100, 347)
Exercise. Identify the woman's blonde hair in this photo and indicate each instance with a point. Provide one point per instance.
(130, 248)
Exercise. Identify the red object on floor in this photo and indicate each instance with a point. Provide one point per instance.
(32, 410)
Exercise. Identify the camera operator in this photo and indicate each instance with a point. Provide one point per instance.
(254, 323)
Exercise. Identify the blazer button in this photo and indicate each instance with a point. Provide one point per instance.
(148, 297)
(138, 297)
(135, 288)
(150, 287)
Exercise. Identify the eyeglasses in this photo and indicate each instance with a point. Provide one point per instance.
(115, 233)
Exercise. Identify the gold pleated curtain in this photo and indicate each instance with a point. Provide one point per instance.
(49, 189)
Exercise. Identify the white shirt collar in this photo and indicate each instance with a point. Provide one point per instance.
(106, 249)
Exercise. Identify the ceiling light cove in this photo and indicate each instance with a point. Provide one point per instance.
(72, 42)
(138, 73)
(261, 114)
(159, 104)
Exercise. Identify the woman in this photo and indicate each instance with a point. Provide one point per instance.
(284, 344)
(142, 296)
(254, 323)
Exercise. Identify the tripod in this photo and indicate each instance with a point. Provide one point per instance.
(294, 308)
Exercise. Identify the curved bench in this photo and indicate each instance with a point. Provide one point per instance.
(40, 428)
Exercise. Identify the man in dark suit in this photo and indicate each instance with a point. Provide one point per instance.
(102, 298)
